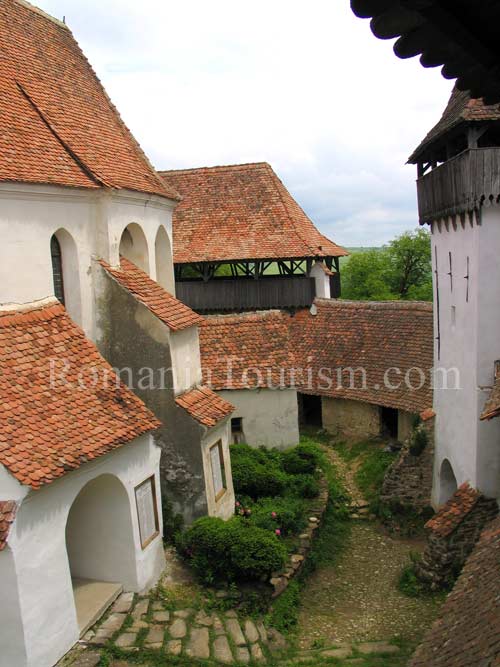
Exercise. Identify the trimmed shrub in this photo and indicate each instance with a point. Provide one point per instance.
(231, 550)
(301, 460)
(286, 514)
(206, 543)
(256, 473)
(256, 553)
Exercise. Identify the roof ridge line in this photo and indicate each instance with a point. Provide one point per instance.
(219, 167)
(87, 171)
(43, 14)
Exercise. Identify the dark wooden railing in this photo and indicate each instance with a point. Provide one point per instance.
(232, 294)
(460, 185)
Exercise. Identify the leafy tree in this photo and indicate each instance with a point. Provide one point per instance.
(400, 270)
(409, 262)
(364, 277)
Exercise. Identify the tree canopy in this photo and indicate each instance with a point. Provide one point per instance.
(400, 270)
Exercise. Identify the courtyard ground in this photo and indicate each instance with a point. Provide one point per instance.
(350, 613)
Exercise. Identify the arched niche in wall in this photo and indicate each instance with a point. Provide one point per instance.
(164, 260)
(447, 482)
(99, 533)
(134, 246)
(66, 273)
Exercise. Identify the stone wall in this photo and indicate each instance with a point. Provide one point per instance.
(280, 580)
(131, 337)
(452, 535)
(352, 419)
(408, 481)
(467, 631)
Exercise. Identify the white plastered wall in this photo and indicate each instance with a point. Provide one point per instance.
(270, 417)
(469, 342)
(224, 506)
(186, 362)
(38, 545)
(322, 280)
(95, 220)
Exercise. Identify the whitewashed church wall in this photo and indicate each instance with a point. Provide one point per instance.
(186, 363)
(466, 313)
(38, 544)
(222, 507)
(270, 417)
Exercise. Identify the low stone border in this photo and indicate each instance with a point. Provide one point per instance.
(280, 580)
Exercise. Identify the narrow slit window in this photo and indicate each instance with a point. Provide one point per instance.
(236, 430)
(57, 269)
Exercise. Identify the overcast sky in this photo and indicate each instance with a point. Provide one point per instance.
(304, 86)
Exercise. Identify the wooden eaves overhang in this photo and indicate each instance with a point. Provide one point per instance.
(461, 36)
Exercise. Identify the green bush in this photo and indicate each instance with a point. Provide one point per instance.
(301, 460)
(256, 473)
(231, 550)
(255, 553)
(286, 514)
(304, 486)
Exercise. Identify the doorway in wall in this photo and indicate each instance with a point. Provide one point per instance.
(389, 422)
(310, 410)
(100, 547)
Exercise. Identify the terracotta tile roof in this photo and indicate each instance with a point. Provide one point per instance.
(342, 335)
(247, 349)
(452, 513)
(58, 125)
(205, 406)
(8, 510)
(241, 212)
(467, 630)
(166, 307)
(427, 414)
(461, 108)
(492, 406)
(54, 416)
(376, 336)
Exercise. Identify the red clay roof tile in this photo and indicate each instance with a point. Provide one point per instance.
(205, 406)
(61, 404)
(461, 108)
(8, 510)
(467, 630)
(241, 212)
(492, 405)
(166, 307)
(58, 124)
(274, 348)
(452, 513)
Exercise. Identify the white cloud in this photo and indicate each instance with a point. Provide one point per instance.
(306, 87)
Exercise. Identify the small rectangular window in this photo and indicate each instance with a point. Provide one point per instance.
(218, 469)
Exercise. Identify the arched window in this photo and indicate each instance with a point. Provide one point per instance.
(57, 269)
(164, 265)
(134, 246)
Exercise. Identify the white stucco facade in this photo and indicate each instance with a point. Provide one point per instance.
(186, 362)
(89, 226)
(466, 322)
(38, 621)
(223, 506)
(322, 280)
(270, 417)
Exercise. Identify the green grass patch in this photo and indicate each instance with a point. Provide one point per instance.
(372, 462)
(330, 540)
